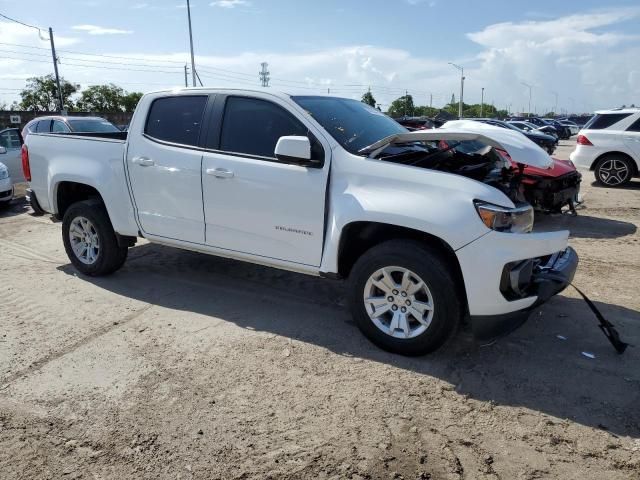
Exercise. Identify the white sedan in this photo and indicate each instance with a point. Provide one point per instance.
(6, 185)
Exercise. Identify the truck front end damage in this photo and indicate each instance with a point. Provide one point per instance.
(507, 275)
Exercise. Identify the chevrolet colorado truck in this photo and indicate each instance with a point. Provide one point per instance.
(425, 236)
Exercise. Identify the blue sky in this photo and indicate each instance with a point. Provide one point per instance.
(586, 53)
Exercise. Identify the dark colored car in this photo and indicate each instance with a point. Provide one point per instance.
(416, 123)
(62, 124)
(564, 132)
(544, 141)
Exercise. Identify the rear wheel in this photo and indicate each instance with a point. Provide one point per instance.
(613, 170)
(404, 298)
(89, 239)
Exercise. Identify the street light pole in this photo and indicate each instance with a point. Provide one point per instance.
(482, 104)
(193, 62)
(459, 68)
(530, 87)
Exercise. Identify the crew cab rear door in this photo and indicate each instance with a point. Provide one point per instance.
(254, 203)
(164, 166)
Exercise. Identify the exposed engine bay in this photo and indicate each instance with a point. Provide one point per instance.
(546, 190)
(469, 158)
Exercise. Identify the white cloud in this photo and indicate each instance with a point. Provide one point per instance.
(230, 3)
(579, 56)
(96, 30)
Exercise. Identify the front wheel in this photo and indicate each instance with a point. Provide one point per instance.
(89, 239)
(404, 298)
(613, 171)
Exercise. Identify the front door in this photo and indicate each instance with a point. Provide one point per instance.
(165, 169)
(254, 203)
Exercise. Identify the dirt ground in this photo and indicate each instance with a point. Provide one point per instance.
(184, 366)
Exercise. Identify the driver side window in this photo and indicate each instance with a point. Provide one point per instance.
(253, 126)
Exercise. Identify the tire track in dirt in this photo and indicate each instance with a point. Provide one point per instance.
(40, 363)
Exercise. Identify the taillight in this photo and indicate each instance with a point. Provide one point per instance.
(582, 140)
(26, 169)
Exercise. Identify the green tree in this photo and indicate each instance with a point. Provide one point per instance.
(130, 101)
(41, 94)
(369, 99)
(401, 106)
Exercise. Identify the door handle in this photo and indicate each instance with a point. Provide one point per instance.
(220, 172)
(143, 161)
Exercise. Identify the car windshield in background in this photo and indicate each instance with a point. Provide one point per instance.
(353, 124)
(92, 126)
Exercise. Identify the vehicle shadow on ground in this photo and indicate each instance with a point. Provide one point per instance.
(585, 226)
(531, 368)
(632, 185)
(17, 206)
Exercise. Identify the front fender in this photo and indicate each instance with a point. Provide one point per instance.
(436, 203)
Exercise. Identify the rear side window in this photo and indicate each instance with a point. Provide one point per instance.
(59, 127)
(253, 126)
(635, 126)
(176, 119)
(604, 120)
(43, 126)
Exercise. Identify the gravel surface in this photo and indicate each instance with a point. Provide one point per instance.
(186, 366)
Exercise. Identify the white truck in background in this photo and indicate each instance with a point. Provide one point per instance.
(317, 185)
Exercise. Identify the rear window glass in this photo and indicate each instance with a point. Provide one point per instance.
(176, 119)
(604, 120)
(91, 126)
(635, 126)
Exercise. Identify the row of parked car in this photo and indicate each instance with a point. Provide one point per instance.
(608, 143)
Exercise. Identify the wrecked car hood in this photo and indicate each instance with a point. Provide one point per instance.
(520, 148)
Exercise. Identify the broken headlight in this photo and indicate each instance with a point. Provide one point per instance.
(504, 219)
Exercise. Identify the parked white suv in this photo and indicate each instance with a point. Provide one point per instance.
(609, 144)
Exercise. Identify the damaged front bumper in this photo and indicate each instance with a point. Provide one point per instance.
(541, 278)
(508, 275)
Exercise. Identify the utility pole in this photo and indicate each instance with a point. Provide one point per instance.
(431, 100)
(482, 104)
(264, 74)
(193, 62)
(461, 69)
(186, 82)
(55, 69)
(530, 87)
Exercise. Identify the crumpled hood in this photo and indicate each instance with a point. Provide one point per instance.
(519, 147)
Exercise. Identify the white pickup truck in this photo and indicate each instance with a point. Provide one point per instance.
(425, 234)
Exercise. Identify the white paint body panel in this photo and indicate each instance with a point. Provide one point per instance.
(178, 203)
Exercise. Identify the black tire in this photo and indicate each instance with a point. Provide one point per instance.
(614, 170)
(110, 255)
(35, 206)
(429, 264)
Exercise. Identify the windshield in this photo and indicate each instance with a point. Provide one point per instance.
(92, 126)
(353, 124)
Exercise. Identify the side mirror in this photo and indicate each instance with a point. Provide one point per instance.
(295, 150)
(2, 150)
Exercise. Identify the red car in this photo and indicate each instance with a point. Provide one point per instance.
(547, 190)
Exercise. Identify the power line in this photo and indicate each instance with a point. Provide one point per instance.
(21, 23)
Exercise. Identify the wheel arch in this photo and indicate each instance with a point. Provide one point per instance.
(360, 236)
(634, 164)
(66, 193)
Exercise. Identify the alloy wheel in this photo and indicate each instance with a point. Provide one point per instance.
(85, 242)
(398, 302)
(613, 172)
